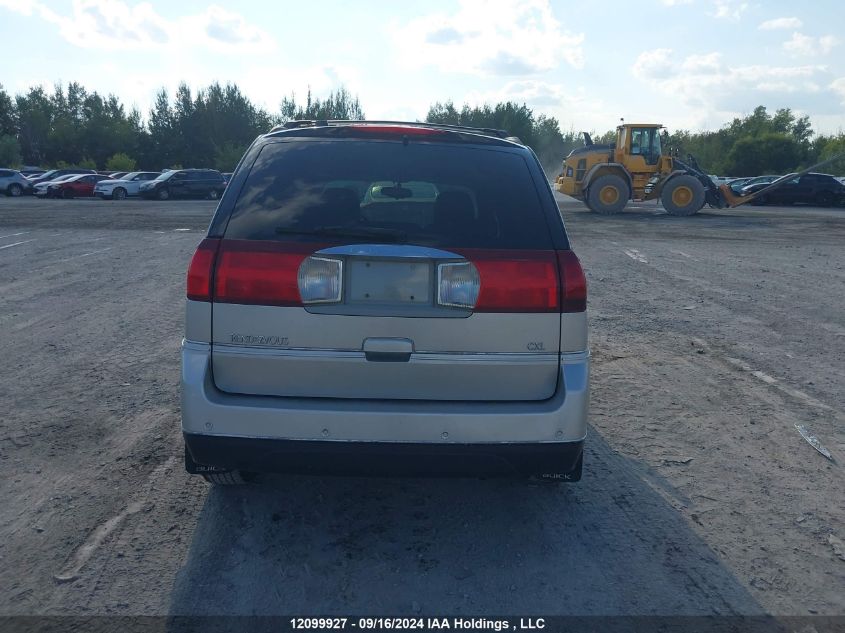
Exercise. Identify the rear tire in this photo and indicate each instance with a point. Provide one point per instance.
(119, 193)
(15, 190)
(607, 195)
(683, 195)
(231, 478)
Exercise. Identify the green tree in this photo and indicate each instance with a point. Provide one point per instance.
(10, 151)
(161, 149)
(228, 156)
(771, 152)
(8, 122)
(340, 104)
(120, 162)
(835, 146)
(34, 117)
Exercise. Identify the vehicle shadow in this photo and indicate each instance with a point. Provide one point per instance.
(609, 545)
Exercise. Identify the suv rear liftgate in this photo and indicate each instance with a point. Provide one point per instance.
(389, 290)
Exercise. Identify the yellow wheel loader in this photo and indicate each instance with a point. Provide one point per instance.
(606, 177)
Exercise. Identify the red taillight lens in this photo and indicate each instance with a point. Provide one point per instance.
(516, 281)
(573, 286)
(259, 272)
(201, 270)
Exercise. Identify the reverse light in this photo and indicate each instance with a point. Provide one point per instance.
(320, 280)
(458, 285)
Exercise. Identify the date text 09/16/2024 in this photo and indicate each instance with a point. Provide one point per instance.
(432, 623)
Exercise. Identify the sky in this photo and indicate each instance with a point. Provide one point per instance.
(691, 64)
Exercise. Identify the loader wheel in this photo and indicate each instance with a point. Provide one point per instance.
(608, 194)
(683, 195)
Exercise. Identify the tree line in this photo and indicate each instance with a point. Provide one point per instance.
(755, 145)
(212, 127)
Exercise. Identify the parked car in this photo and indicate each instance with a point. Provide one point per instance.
(42, 189)
(29, 172)
(820, 189)
(13, 183)
(128, 185)
(738, 185)
(398, 298)
(55, 173)
(79, 186)
(184, 183)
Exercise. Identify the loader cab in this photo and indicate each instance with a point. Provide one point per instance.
(638, 147)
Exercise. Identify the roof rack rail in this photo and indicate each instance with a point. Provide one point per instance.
(489, 131)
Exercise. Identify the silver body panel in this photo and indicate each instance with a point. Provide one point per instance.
(299, 353)
(349, 374)
(210, 411)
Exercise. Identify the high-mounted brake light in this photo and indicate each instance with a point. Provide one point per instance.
(573, 283)
(397, 130)
(201, 270)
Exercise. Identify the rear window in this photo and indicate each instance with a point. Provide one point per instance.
(372, 191)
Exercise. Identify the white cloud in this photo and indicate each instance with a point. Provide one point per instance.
(801, 45)
(117, 25)
(571, 106)
(675, 3)
(729, 9)
(838, 86)
(708, 86)
(511, 38)
(780, 23)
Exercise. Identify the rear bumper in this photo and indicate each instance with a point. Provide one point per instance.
(550, 430)
(209, 453)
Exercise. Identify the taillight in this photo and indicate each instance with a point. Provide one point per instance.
(516, 281)
(573, 283)
(259, 272)
(201, 270)
(320, 280)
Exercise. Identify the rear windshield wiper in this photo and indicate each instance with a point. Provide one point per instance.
(392, 235)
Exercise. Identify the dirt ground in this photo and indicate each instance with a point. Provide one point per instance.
(712, 337)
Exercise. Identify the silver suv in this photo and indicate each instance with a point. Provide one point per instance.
(13, 183)
(385, 298)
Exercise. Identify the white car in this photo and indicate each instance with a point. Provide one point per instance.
(42, 189)
(128, 185)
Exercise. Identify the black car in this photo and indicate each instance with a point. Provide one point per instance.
(55, 173)
(185, 183)
(819, 189)
(738, 185)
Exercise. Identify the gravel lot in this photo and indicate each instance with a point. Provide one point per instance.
(712, 337)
